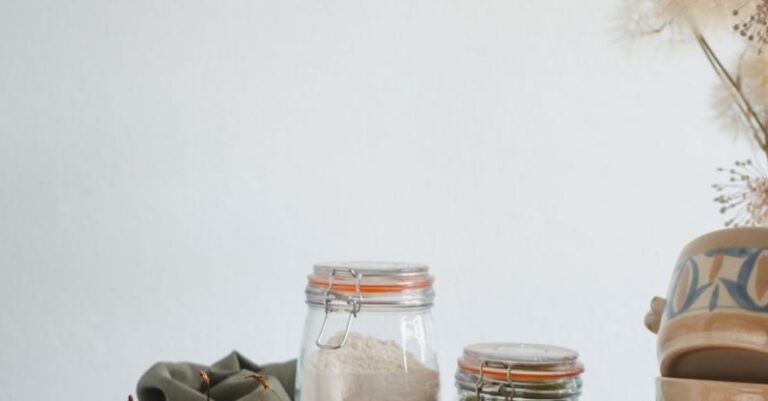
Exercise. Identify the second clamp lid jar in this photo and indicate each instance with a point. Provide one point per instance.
(511, 372)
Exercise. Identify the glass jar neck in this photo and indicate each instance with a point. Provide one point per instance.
(465, 395)
(342, 300)
(471, 387)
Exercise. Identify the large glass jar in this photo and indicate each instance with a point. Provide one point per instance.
(517, 372)
(368, 335)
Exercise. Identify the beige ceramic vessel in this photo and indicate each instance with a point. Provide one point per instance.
(669, 389)
(714, 323)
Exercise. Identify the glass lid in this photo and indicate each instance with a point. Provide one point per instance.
(371, 277)
(516, 361)
(370, 284)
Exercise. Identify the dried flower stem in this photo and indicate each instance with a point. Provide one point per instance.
(758, 128)
(263, 382)
(206, 380)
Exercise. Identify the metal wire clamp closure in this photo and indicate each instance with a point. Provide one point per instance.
(505, 389)
(353, 301)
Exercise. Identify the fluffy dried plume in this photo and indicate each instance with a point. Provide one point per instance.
(708, 16)
(727, 113)
(682, 16)
(754, 80)
(751, 80)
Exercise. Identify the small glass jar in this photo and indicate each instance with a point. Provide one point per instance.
(512, 372)
(368, 335)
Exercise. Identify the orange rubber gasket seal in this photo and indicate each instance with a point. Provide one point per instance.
(369, 289)
(516, 375)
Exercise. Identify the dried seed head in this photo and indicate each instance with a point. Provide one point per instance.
(745, 196)
(754, 25)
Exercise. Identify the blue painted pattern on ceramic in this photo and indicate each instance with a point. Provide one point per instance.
(697, 281)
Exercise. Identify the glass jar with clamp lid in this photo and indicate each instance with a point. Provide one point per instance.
(512, 372)
(368, 334)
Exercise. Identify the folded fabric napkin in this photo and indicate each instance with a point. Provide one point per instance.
(231, 380)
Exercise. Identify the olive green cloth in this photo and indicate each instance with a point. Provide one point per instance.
(180, 381)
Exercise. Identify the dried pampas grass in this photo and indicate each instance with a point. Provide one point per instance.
(709, 16)
(745, 89)
(754, 80)
(750, 83)
(680, 17)
(727, 113)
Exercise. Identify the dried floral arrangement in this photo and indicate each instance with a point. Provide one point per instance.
(744, 95)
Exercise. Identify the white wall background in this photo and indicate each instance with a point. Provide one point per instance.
(170, 170)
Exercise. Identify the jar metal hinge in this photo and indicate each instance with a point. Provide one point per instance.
(507, 390)
(353, 301)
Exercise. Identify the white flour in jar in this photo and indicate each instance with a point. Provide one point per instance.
(367, 369)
